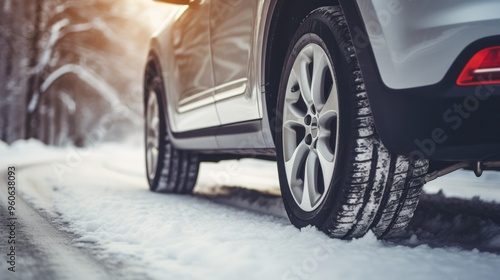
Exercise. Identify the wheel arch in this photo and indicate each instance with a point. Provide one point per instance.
(153, 68)
(283, 20)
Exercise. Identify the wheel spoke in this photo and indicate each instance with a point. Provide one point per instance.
(332, 103)
(310, 194)
(155, 128)
(295, 162)
(318, 79)
(327, 163)
(301, 72)
(294, 119)
(153, 159)
(152, 107)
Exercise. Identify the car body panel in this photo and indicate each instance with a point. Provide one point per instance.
(406, 108)
(162, 50)
(239, 93)
(408, 37)
(191, 78)
(427, 121)
(232, 29)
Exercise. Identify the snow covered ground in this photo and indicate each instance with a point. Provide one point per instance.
(235, 227)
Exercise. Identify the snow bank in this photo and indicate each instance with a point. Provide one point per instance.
(23, 152)
(464, 184)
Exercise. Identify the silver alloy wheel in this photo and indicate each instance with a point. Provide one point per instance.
(152, 135)
(310, 127)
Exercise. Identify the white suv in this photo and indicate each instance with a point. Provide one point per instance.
(359, 102)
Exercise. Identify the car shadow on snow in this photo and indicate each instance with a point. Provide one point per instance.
(439, 222)
(452, 222)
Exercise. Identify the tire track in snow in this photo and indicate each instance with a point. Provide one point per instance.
(44, 252)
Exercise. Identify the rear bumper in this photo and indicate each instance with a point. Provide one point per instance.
(440, 121)
(408, 37)
(456, 124)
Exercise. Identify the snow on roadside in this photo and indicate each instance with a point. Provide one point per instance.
(104, 199)
(25, 152)
(464, 184)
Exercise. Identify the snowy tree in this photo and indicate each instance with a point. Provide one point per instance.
(86, 66)
(17, 39)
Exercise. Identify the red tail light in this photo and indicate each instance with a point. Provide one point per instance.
(482, 69)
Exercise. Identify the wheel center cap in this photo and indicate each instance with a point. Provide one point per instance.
(314, 127)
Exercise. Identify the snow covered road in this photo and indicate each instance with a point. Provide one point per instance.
(42, 248)
(95, 205)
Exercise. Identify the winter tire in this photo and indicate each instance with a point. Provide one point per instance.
(169, 170)
(335, 173)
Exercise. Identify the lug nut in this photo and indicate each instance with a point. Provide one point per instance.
(313, 109)
(308, 139)
(308, 120)
(295, 88)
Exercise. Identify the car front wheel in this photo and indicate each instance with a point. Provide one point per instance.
(169, 170)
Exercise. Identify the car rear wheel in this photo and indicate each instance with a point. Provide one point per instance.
(169, 170)
(334, 171)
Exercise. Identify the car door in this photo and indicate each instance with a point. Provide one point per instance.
(193, 79)
(232, 31)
